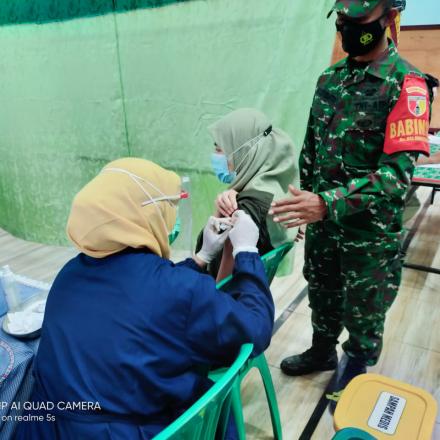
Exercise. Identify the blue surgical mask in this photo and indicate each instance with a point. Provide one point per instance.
(219, 164)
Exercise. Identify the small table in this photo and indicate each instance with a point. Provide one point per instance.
(16, 380)
(16, 360)
(430, 177)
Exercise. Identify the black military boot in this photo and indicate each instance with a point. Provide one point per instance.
(316, 358)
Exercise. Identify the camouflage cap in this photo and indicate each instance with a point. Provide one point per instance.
(355, 8)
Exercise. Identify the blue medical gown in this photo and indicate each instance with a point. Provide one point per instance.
(131, 331)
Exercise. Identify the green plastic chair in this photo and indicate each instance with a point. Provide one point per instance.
(211, 411)
(353, 434)
(271, 261)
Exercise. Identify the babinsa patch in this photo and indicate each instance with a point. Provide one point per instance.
(408, 122)
(417, 105)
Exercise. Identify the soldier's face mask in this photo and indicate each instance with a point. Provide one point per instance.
(359, 39)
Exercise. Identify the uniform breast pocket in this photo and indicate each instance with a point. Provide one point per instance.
(363, 140)
(323, 115)
(323, 109)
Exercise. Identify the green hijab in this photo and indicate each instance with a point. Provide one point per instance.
(262, 156)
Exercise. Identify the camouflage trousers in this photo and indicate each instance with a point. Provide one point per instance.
(351, 287)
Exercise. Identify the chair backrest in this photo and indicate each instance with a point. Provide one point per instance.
(271, 261)
(200, 421)
(352, 434)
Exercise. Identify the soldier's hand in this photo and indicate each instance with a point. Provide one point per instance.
(302, 208)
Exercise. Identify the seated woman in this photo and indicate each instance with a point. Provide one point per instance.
(125, 329)
(258, 161)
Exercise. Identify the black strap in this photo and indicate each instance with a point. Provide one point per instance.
(268, 131)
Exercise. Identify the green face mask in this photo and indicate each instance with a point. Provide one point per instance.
(175, 232)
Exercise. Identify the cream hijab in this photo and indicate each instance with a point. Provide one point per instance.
(262, 161)
(114, 211)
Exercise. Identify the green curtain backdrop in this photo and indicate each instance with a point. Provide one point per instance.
(124, 78)
(42, 11)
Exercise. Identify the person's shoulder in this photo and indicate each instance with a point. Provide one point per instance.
(183, 274)
(136, 264)
(256, 203)
(70, 267)
(406, 67)
(334, 68)
(176, 278)
(332, 73)
(254, 194)
(176, 283)
(136, 259)
(256, 198)
(188, 286)
(403, 67)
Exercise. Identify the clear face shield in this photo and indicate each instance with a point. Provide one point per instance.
(250, 147)
(222, 160)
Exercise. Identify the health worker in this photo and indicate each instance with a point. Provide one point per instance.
(127, 328)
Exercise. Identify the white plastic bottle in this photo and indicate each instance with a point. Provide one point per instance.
(184, 240)
(11, 289)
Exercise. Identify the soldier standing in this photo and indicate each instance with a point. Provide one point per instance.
(368, 123)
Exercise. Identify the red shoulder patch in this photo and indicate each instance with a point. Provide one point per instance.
(408, 122)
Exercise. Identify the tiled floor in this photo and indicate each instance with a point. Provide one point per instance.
(412, 337)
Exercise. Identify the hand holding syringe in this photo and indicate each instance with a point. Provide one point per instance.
(217, 231)
(222, 224)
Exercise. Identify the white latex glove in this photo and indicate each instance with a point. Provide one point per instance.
(244, 235)
(212, 241)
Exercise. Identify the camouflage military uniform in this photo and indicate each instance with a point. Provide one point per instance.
(352, 259)
(399, 4)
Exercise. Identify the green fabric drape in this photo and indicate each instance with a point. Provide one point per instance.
(13, 12)
(143, 82)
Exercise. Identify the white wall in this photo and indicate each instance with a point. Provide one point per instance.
(421, 12)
